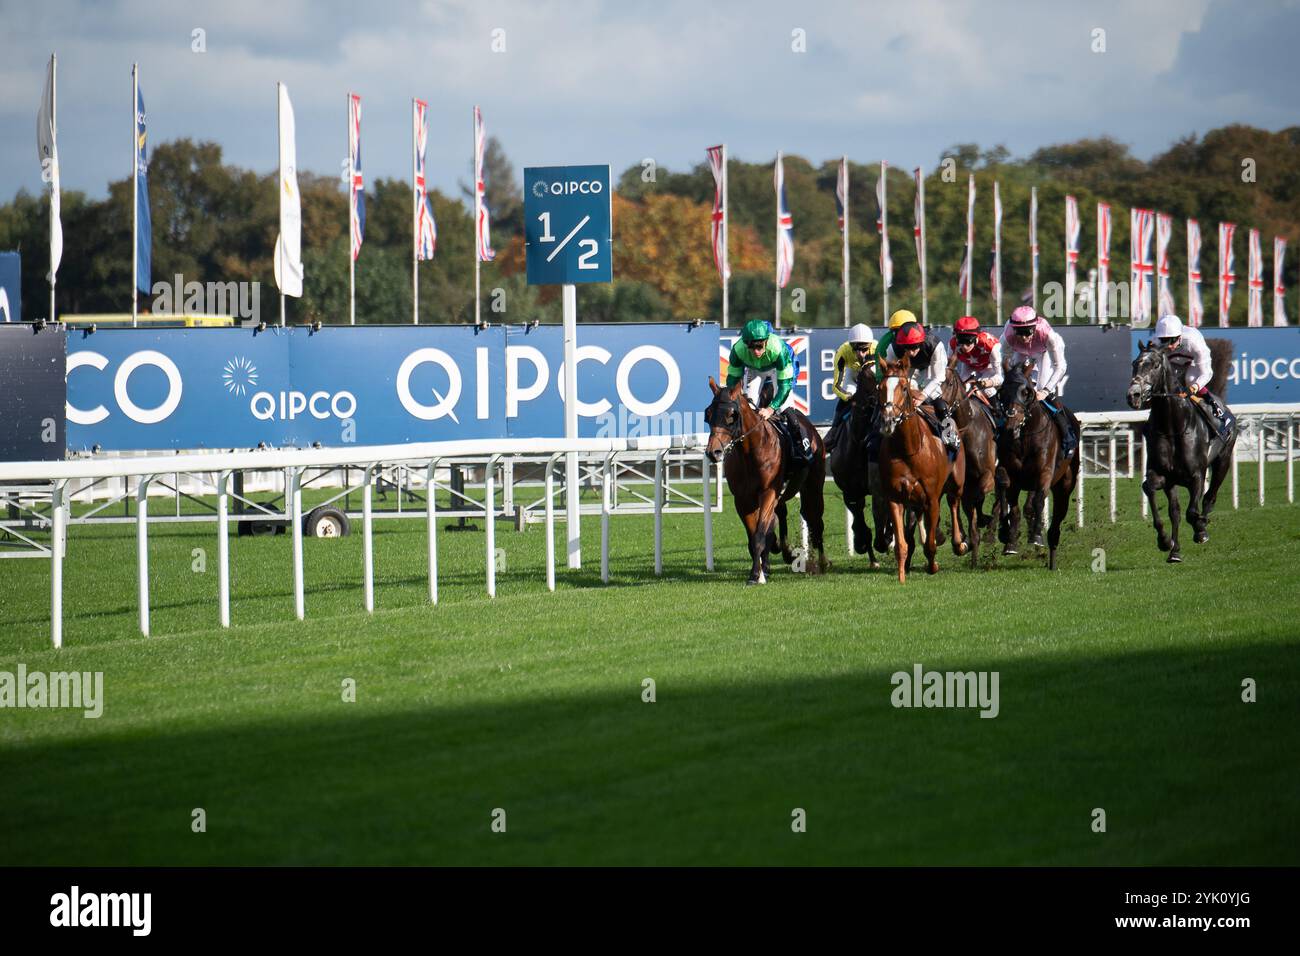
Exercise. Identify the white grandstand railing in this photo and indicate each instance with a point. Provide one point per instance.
(1277, 419)
(369, 458)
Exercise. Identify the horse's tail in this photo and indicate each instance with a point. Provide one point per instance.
(1220, 358)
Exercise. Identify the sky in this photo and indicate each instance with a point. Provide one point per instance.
(591, 82)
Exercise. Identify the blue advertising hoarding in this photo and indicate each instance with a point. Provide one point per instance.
(1265, 364)
(568, 236)
(234, 388)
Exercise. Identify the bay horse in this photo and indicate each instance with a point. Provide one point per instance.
(914, 469)
(756, 472)
(1029, 459)
(852, 470)
(979, 445)
(1181, 445)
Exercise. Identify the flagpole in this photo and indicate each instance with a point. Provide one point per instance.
(970, 242)
(884, 237)
(279, 124)
(726, 263)
(135, 190)
(477, 213)
(920, 191)
(1033, 245)
(777, 248)
(352, 225)
(54, 136)
(845, 239)
(415, 218)
(997, 247)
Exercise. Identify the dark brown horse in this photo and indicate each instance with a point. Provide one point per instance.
(756, 472)
(914, 469)
(1181, 446)
(979, 445)
(1029, 459)
(851, 469)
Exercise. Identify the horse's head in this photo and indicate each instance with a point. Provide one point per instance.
(1150, 370)
(894, 394)
(1017, 394)
(724, 418)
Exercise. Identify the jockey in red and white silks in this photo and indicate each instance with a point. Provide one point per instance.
(1029, 337)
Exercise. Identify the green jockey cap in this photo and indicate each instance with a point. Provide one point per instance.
(755, 330)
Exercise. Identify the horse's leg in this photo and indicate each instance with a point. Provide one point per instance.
(900, 541)
(910, 520)
(1035, 512)
(1195, 506)
(1218, 471)
(932, 535)
(783, 535)
(1013, 521)
(1150, 485)
(1001, 508)
(1175, 517)
(959, 545)
(1060, 508)
(812, 508)
(757, 536)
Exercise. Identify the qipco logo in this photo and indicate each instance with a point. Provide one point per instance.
(570, 187)
(121, 382)
(286, 406)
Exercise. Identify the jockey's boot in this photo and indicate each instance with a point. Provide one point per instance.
(1220, 413)
(1069, 440)
(800, 445)
(838, 422)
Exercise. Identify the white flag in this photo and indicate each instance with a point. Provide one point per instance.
(288, 245)
(48, 151)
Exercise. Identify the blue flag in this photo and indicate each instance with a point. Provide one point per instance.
(144, 228)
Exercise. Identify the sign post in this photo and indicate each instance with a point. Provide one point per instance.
(568, 239)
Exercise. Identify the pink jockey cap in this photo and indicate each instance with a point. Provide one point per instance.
(1023, 316)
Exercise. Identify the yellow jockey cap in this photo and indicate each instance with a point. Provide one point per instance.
(899, 317)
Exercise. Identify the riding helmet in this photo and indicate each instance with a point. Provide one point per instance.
(910, 333)
(900, 317)
(755, 330)
(967, 325)
(1023, 317)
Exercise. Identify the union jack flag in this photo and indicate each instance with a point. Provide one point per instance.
(1279, 290)
(964, 280)
(882, 227)
(1195, 309)
(1164, 232)
(1141, 268)
(484, 238)
(426, 230)
(784, 229)
(356, 183)
(918, 213)
(718, 220)
(1226, 276)
(1103, 258)
(842, 193)
(1255, 282)
(799, 393)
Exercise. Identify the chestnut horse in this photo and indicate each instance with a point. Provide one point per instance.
(1029, 460)
(914, 469)
(756, 473)
(979, 445)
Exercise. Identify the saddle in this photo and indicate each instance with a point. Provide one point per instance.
(795, 449)
(981, 401)
(1220, 431)
(1064, 418)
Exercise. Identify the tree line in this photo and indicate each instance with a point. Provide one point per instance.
(213, 222)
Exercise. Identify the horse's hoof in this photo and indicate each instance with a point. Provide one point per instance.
(964, 549)
(1010, 551)
(1164, 544)
(1037, 541)
(875, 565)
(932, 568)
(787, 557)
(761, 579)
(1201, 537)
(1175, 558)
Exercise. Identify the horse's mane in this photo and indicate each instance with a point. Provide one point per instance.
(1220, 358)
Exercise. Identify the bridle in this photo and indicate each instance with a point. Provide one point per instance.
(734, 429)
(886, 408)
(1165, 370)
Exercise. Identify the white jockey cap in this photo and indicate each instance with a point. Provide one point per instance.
(1169, 327)
(861, 333)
